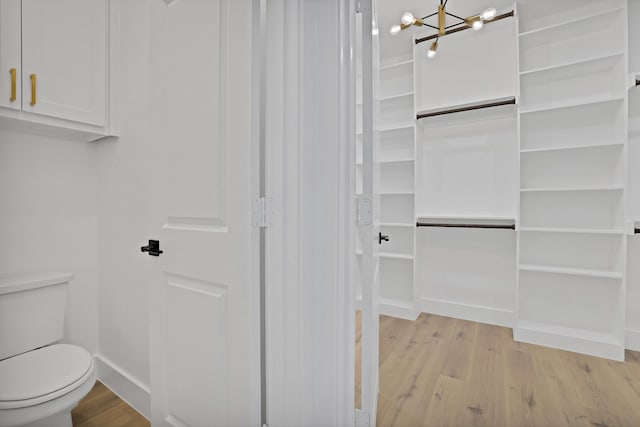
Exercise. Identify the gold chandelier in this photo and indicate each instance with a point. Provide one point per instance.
(475, 22)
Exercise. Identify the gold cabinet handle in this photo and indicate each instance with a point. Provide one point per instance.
(13, 85)
(33, 89)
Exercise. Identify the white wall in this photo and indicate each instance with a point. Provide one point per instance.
(48, 220)
(122, 174)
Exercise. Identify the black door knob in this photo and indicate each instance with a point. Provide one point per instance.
(153, 248)
(382, 237)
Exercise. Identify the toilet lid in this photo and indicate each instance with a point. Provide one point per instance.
(42, 371)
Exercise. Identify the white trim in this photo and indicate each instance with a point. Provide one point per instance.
(550, 338)
(400, 309)
(632, 340)
(128, 388)
(475, 313)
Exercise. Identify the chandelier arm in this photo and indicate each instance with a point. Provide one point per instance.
(445, 3)
(432, 26)
(429, 16)
(455, 16)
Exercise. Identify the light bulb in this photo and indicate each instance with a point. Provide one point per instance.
(407, 18)
(432, 50)
(395, 29)
(489, 14)
(477, 25)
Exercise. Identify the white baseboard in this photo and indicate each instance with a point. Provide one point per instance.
(126, 386)
(474, 313)
(577, 344)
(400, 309)
(632, 340)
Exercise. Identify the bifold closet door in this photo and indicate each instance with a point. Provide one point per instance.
(368, 228)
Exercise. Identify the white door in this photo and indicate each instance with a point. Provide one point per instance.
(10, 61)
(369, 230)
(64, 59)
(205, 349)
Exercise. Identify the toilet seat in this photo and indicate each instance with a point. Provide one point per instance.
(42, 375)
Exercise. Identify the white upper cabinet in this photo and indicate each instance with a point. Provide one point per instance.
(10, 63)
(60, 50)
(64, 45)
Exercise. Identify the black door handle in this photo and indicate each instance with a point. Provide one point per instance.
(382, 237)
(153, 248)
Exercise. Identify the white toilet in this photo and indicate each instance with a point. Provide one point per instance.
(40, 381)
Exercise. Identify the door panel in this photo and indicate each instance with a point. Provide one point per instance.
(196, 329)
(10, 45)
(203, 352)
(64, 44)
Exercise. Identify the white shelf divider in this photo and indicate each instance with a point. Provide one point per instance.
(572, 271)
(573, 230)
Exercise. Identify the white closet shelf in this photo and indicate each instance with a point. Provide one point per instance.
(571, 64)
(399, 192)
(549, 190)
(392, 129)
(398, 160)
(396, 96)
(394, 255)
(573, 230)
(396, 64)
(572, 271)
(586, 335)
(395, 126)
(570, 70)
(397, 224)
(596, 18)
(569, 104)
(571, 147)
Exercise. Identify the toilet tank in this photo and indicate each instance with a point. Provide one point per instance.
(32, 312)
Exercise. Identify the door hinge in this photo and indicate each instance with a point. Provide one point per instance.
(362, 418)
(262, 212)
(363, 6)
(363, 211)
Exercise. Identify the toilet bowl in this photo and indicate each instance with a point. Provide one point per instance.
(41, 381)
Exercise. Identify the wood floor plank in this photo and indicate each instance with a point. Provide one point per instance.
(102, 408)
(439, 371)
(484, 398)
(444, 408)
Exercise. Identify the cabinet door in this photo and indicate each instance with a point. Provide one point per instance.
(10, 54)
(64, 45)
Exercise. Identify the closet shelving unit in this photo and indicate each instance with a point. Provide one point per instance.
(395, 162)
(573, 141)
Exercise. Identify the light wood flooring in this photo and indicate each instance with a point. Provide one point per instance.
(102, 408)
(439, 371)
